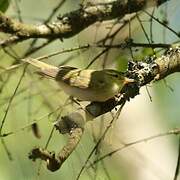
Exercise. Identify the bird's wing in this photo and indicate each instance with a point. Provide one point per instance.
(75, 77)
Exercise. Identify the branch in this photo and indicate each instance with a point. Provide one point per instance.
(153, 69)
(73, 22)
(72, 124)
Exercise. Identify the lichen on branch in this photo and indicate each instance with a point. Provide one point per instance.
(144, 72)
(73, 22)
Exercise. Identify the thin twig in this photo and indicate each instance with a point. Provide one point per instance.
(96, 57)
(11, 99)
(171, 132)
(6, 113)
(165, 25)
(99, 141)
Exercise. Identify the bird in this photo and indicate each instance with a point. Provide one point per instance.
(84, 84)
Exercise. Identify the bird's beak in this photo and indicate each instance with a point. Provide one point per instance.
(128, 80)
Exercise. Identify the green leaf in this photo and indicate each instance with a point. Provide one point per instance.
(4, 4)
(121, 63)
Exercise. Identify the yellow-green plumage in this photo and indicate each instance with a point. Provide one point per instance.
(86, 85)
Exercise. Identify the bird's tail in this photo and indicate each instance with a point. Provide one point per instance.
(45, 69)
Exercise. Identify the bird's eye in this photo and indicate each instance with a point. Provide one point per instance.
(115, 75)
(101, 82)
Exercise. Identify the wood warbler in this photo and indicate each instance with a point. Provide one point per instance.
(85, 84)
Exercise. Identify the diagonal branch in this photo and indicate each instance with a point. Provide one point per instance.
(73, 22)
(154, 69)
